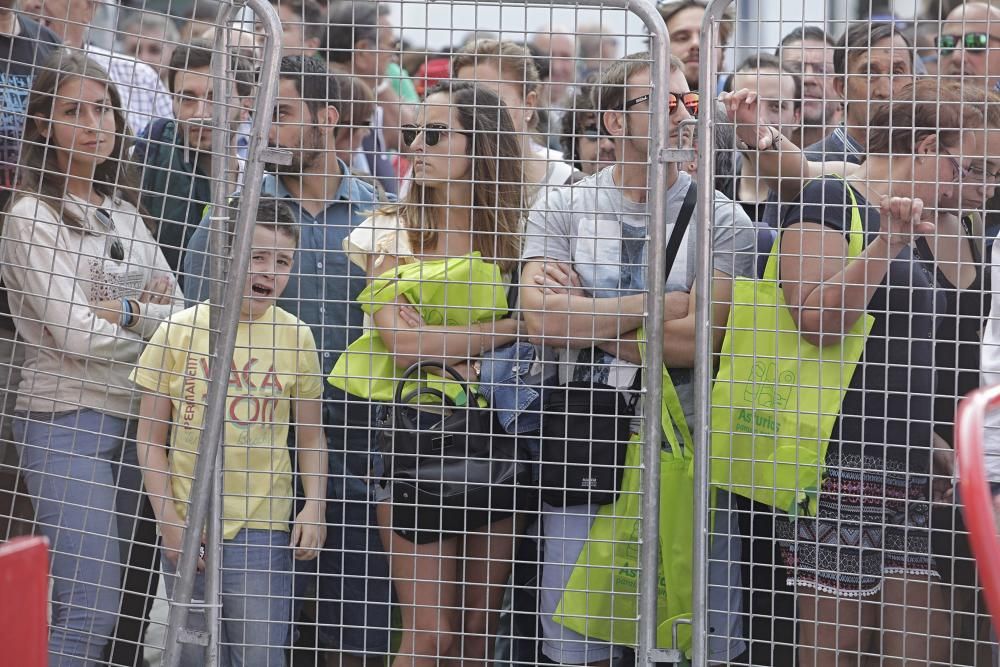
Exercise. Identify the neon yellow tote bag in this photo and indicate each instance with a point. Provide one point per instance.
(776, 396)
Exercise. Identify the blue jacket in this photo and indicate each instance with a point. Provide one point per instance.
(510, 379)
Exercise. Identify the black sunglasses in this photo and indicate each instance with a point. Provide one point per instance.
(117, 252)
(970, 41)
(432, 133)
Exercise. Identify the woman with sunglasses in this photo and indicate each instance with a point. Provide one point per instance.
(465, 202)
(87, 286)
(867, 550)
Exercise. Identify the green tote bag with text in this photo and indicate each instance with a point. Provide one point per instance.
(776, 396)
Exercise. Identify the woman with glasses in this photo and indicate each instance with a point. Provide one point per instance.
(464, 205)
(584, 145)
(867, 549)
(87, 285)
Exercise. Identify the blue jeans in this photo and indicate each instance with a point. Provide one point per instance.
(84, 483)
(350, 578)
(256, 601)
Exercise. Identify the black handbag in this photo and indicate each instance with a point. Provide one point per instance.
(586, 427)
(452, 468)
(584, 438)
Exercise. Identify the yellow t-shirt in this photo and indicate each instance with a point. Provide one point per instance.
(275, 360)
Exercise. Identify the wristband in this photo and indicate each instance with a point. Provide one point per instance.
(127, 316)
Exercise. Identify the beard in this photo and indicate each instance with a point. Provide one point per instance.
(304, 157)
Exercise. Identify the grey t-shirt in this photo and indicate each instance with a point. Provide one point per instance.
(593, 226)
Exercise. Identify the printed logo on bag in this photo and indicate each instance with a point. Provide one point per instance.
(766, 390)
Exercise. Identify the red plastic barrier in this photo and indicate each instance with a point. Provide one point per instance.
(975, 493)
(24, 595)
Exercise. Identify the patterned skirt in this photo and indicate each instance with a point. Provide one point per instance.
(872, 521)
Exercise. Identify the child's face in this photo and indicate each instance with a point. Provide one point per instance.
(82, 127)
(270, 265)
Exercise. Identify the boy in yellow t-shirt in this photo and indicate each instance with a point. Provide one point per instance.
(275, 381)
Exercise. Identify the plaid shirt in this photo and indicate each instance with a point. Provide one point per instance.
(144, 97)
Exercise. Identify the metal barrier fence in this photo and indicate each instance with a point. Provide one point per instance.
(508, 506)
(827, 397)
(110, 380)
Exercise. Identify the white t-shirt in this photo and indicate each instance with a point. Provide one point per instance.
(602, 233)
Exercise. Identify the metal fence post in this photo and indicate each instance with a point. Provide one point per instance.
(703, 337)
(225, 307)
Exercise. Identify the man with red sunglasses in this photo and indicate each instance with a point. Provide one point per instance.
(583, 292)
(969, 45)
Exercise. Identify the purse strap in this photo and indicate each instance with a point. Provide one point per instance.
(683, 220)
(448, 373)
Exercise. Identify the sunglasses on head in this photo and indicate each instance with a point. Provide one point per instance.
(970, 41)
(432, 133)
(689, 99)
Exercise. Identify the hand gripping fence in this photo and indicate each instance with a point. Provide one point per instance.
(977, 501)
(225, 297)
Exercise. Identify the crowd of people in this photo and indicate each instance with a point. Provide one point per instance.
(433, 408)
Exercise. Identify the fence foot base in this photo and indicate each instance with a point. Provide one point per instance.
(670, 656)
(185, 636)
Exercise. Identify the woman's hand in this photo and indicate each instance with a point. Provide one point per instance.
(742, 108)
(901, 219)
(309, 531)
(159, 290)
(411, 317)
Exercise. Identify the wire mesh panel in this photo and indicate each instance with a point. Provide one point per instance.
(108, 169)
(385, 401)
(864, 161)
